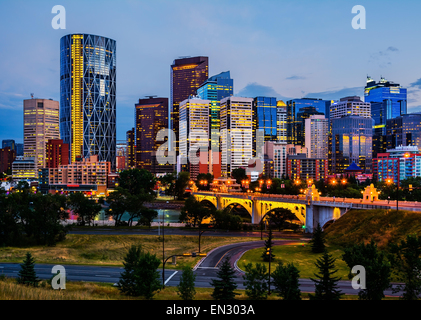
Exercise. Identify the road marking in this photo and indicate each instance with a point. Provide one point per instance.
(102, 275)
(169, 278)
(223, 256)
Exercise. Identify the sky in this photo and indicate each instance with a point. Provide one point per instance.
(284, 49)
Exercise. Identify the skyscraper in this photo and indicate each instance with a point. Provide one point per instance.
(265, 117)
(316, 136)
(295, 124)
(88, 96)
(187, 75)
(57, 153)
(236, 133)
(282, 121)
(131, 149)
(388, 100)
(41, 123)
(195, 120)
(215, 89)
(151, 117)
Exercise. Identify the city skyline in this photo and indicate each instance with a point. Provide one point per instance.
(313, 57)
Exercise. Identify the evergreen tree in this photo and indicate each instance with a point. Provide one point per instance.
(256, 281)
(140, 277)
(268, 248)
(377, 269)
(326, 286)
(225, 285)
(318, 241)
(186, 288)
(27, 274)
(285, 280)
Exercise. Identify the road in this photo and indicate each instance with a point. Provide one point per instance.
(205, 270)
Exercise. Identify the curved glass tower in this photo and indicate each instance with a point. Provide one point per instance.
(88, 96)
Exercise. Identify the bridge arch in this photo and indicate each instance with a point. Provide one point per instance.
(245, 203)
(298, 209)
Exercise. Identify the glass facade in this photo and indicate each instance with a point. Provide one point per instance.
(352, 142)
(295, 124)
(215, 89)
(88, 96)
(265, 114)
(404, 131)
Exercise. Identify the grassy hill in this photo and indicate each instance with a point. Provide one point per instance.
(383, 226)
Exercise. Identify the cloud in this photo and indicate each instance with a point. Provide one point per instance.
(383, 58)
(296, 78)
(416, 84)
(337, 94)
(253, 90)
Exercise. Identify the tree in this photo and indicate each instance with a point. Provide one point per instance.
(208, 177)
(194, 212)
(405, 258)
(224, 286)
(268, 248)
(140, 277)
(181, 184)
(186, 288)
(138, 181)
(256, 281)
(226, 220)
(85, 208)
(318, 241)
(279, 216)
(27, 274)
(326, 285)
(377, 269)
(10, 220)
(285, 281)
(147, 216)
(239, 174)
(117, 205)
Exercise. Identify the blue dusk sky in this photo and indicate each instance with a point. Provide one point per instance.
(286, 49)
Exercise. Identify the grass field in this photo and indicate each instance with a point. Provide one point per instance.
(301, 256)
(110, 250)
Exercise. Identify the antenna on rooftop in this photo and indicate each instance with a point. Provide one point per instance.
(32, 95)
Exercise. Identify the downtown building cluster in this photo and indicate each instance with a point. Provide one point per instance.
(71, 145)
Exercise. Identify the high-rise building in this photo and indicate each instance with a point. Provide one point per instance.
(350, 106)
(19, 149)
(388, 100)
(265, 117)
(236, 133)
(195, 121)
(57, 153)
(88, 96)
(215, 89)
(404, 130)
(41, 123)
(282, 121)
(151, 117)
(277, 152)
(24, 169)
(300, 167)
(187, 75)
(302, 115)
(316, 136)
(7, 156)
(352, 142)
(295, 122)
(8, 143)
(131, 149)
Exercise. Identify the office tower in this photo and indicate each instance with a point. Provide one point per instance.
(215, 89)
(352, 142)
(187, 75)
(300, 167)
(282, 121)
(131, 148)
(350, 106)
(403, 162)
(195, 122)
(9, 143)
(24, 169)
(19, 149)
(151, 117)
(121, 155)
(302, 115)
(236, 133)
(388, 100)
(265, 117)
(404, 130)
(316, 136)
(277, 152)
(295, 124)
(41, 123)
(57, 153)
(7, 156)
(88, 96)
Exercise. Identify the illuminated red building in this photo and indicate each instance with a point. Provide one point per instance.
(56, 153)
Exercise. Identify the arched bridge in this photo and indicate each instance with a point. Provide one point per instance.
(308, 211)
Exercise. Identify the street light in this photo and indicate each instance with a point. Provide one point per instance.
(193, 255)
